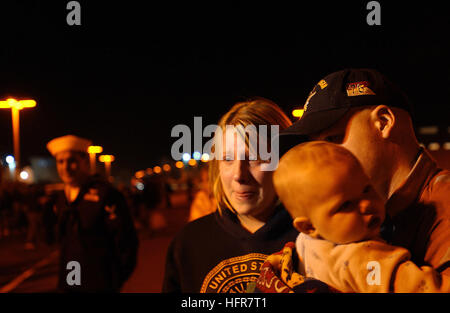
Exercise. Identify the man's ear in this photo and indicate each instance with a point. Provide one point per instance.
(383, 119)
(303, 225)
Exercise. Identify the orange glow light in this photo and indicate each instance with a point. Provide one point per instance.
(157, 169)
(19, 105)
(106, 158)
(179, 164)
(192, 162)
(139, 174)
(149, 171)
(95, 149)
(15, 107)
(166, 167)
(297, 113)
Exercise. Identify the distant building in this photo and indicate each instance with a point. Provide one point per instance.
(436, 138)
(44, 169)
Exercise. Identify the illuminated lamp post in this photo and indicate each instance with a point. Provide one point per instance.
(15, 107)
(93, 150)
(297, 113)
(107, 159)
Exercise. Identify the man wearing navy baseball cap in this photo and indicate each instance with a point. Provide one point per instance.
(366, 113)
(333, 96)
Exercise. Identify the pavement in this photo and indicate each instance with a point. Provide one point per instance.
(32, 271)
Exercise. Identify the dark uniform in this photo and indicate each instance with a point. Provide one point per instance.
(97, 231)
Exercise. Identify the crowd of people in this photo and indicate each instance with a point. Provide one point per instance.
(21, 208)
(22, 205)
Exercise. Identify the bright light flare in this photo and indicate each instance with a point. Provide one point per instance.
(297, 113)
(9, 159)
(446, 146)
(434, 146)
(186, 157)
(139, 174)
(106, 158)
(95, 149)
(140, 186)
(192, 162)
(196, 155)
(24, 175)
(205, 157)
(19, 105)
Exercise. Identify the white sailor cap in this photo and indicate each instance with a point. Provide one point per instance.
(68, 142)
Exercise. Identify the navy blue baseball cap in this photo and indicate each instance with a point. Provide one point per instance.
(338, 92)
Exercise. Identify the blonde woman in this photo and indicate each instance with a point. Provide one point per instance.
(223, 251)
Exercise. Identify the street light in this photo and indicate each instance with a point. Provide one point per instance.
(11, 166)
(186, 157)
(166, 167)
(10, 161)
(196, 155)
(297, 113)
(15, 107)
(205, 157)
(107, 159)
(93, 150)
(192, 162)
(140, 174)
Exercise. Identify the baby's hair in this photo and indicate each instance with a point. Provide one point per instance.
(318, 157)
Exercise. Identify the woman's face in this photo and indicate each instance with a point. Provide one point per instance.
(249, 189)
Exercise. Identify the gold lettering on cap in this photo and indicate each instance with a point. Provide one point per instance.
(359, 89)
(322, 84)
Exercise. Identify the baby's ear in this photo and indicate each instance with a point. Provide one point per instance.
(303, 225)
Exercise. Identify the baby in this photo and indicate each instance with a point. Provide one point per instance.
(325, 189)
(338, 214)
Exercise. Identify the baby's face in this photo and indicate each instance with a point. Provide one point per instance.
(345, 207)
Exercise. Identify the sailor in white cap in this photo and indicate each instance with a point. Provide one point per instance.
(94, 225)
(72, 162)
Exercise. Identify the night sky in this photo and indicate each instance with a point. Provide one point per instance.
(131, 72)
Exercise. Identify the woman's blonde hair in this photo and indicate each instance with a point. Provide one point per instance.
(256, 111)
